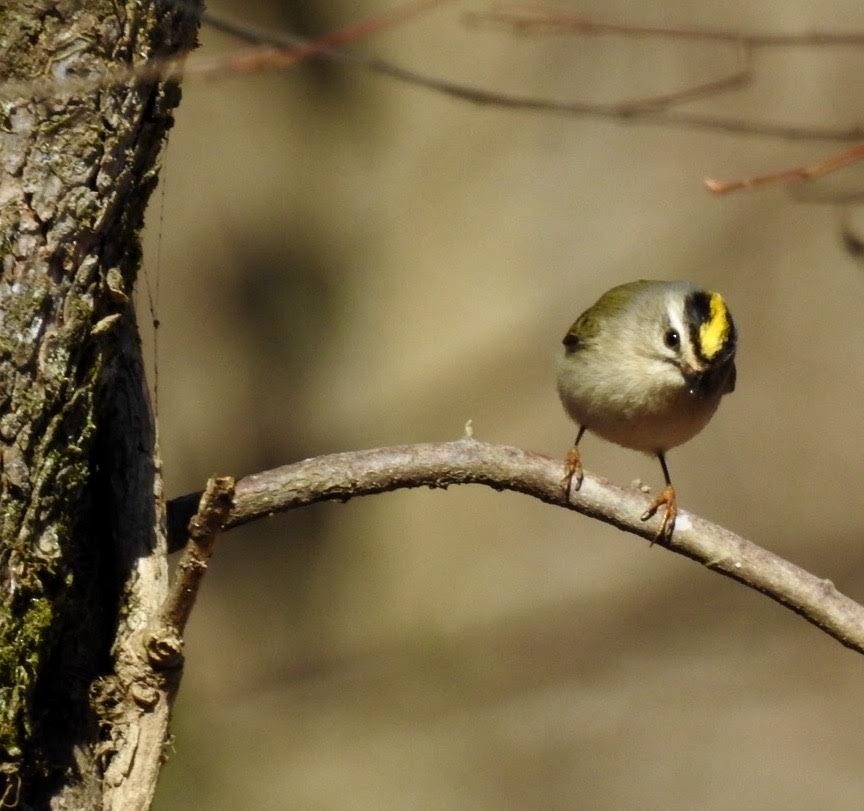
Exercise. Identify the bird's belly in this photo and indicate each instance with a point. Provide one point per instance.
(627, 416)
(651, 432)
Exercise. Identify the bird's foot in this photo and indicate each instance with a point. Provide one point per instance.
(667, 525)
(572, 478)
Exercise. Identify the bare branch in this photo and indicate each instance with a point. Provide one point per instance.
(735, 80)
(343, 476)
(648, 110)
(824, 167)
(213, 510)
(525, 19)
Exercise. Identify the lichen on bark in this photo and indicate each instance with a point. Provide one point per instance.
(76, 170)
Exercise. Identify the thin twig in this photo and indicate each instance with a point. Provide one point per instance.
(164, 643)
(343, 476)
(527, 19)
(736, 80)
(824, 167)
(213, 511)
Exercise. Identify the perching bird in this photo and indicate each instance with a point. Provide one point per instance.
(646, 367)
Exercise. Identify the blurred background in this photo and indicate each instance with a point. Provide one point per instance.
(340, 262)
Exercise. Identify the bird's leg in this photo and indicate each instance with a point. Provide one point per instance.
(573, 466)
(667, 497)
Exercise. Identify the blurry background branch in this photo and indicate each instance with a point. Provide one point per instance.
(279, 50)
(648, 110)
(653, 109)
(525, 19)
(342, 476)
(291, 51)
(816, 170)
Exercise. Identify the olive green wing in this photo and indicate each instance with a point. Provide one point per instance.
(583, 330)
(589, 325)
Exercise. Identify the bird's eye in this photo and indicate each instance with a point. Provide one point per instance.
(672, 339)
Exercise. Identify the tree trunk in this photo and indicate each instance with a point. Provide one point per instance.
(83, 716)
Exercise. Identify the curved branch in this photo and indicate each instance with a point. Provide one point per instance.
(343, 476)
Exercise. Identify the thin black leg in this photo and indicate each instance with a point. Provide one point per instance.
(662, 457)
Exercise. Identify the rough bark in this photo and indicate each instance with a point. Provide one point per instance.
(82, 556)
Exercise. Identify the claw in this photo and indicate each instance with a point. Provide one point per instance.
(667, 524)
(572, 478)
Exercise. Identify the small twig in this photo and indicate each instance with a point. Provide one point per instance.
(213, 511)
(165, 641)
(343, 476)
(526, 19)
(736, 80)
(812, 172)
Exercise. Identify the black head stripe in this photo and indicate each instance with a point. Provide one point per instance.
(697, 311)
(712, 330)
(698, 307)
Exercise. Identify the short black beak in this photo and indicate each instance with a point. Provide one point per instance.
(692, 378)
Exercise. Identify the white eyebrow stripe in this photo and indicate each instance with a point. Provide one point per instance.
(676, 319)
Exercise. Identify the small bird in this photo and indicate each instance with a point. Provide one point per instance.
(646, 367)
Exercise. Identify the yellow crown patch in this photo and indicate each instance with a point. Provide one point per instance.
(715, 331)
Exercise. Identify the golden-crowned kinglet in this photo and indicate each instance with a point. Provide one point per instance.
(645, 367)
